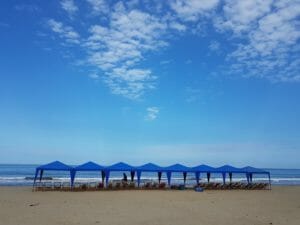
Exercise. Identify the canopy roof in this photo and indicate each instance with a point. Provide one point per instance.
(150, 167)
(89, 166)
(56, 165)
(250, 169)
(203, 168)
(177, 168)
(228, 169)
(120, 167)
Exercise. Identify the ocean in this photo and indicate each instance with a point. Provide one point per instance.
(22, 175)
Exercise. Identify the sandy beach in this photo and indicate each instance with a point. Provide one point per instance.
(21, 206)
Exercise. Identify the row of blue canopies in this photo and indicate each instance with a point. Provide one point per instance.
(150, 167)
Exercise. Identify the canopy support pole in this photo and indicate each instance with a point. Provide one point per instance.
(41, 174)
(230, 178)
(72, 174)
(224, 177)
(132, 173)
(138, 174)
(106, 178)
(169, 174)
(184, 177)
(248, 179)
(197, 174)
(103, 176)
(159, 174)
(35, 177)
(270, 181)
(208, 177)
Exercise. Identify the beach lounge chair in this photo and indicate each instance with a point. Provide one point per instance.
(162, 185)
(47, 186)
(57, 186)
(38, 186)
(100, 186)
(92, 186)
(76, 186)
(66, 186)
(154, 185)
(131, 185)
(148, 185)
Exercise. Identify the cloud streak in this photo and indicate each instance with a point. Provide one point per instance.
(152, 113)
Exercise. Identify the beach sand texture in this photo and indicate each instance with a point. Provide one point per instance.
(21, 206)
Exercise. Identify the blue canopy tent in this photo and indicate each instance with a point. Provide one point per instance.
(176, 168)
(119, 167)
(90, 166)
(249, 170)
(203, 169)
(228, 169)
(54, 166)
(149, 167)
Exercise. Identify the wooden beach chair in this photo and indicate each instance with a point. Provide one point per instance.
(92, 186)
(57, 186)
(47, 186)
(66, 186)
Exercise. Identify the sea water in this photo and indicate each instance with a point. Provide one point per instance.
(22, 175)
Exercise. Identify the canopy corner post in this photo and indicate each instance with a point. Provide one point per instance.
(159, 174)
(132, 174)
(197, 174)
(224, 177)
(138, 174)
(72, 174)
(208, 177)
(169, 175)
(107, 172)
(184, 177)
(35, 177)
(103, 176)
(270, 184)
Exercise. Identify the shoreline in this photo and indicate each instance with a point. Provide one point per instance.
(280, 206)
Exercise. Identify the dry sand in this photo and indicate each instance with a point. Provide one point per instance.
(279, 206)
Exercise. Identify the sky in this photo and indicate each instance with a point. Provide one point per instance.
(189, 81)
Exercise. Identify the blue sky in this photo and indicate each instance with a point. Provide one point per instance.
(194, 81)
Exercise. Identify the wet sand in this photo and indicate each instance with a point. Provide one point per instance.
(21, 206)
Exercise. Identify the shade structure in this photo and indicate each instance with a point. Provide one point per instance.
(227, 169)
(90, 166)
(176, 168)
(121, 166)
(148, 167)
(202, 169)
(249, 170)
(54, 166)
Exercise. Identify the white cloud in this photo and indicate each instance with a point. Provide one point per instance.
(177, 26)
(240, 16)
(152, 113)
(214, 46)
(271, 50)
(69, 6)
(65, 32)
(191, 10)
(117, 49)
(99, 6)
(267, 33)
